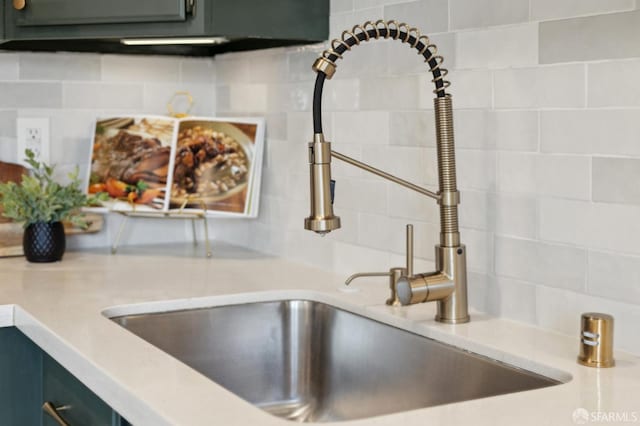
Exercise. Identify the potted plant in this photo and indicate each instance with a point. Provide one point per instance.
(41, 204)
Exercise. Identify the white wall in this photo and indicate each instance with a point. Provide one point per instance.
(547, 120)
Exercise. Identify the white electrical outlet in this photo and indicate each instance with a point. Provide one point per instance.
(33, 134)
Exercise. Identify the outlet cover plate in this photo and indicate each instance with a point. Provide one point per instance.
(33, 134)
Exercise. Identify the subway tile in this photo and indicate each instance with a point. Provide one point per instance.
(342, 95)
(223, 99)
(613, 84)
(267, 66)
(556, 86)
(485, 13)
(366, 4)
(337, 6)
(566, 221)
(31, 94)
(477, 210)
(429, 16)
(555, 175)
(412, 128)
(8, 124)
(514, 130)
(232, 69)
(472, 129)
(389, 93)
(250, 98)
(362, 195)
(8, 150)
(476, 169)
(374, 231)
(516, 215)
(148, 69)
(614, 276)
(513, 299)
(480, 251)
(9, 66)
(351, 258)
(59, 66)
(365, 127)
(509, 47)
(469, 89)
(157, 95)
(608, 36)
(103, 95)
(478, 292)
(541, 263)
(283, 97)
(614, 178)
(542, 10)
(276, 125)
(612, 132)
(600, 226)
(197, 71)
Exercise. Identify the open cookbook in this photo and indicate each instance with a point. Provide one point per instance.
(161, 164)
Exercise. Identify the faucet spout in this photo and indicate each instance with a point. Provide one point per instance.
(448, 284)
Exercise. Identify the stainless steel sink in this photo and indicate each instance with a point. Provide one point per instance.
(312, 362)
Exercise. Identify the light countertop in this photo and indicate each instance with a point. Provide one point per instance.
(62, 307)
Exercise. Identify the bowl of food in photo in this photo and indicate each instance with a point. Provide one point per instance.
(212, 164)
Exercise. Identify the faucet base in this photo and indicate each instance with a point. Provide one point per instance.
(454, 320)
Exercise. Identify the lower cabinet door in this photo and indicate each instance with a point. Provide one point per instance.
(72, 400)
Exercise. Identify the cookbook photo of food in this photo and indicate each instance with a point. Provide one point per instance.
(161, 164)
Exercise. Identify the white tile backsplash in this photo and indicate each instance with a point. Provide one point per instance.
(546, 154)
(559, 86)
(498, 47)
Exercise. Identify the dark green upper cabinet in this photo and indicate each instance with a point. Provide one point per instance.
(65, 12)
(98, 25)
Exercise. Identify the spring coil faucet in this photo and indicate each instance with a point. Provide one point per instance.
(448, 284)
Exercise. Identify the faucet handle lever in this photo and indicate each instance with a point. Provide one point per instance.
(409, 253)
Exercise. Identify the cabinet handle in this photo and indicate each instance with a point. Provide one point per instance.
(19, 4)
(51, 410)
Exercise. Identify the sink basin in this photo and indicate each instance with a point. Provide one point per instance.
(312, 362)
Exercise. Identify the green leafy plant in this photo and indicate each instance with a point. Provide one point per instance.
(39, 198)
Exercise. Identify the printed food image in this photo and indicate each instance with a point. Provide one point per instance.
(212, 164)
(130, 159)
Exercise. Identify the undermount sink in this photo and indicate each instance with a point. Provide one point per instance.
(312, 362)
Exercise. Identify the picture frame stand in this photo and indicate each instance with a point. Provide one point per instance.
(177, 214)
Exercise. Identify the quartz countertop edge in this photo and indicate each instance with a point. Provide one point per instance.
(64, 308)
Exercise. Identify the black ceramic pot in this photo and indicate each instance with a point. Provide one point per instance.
(44, 242)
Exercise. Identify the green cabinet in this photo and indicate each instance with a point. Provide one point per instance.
(70, 12)
(29, 378)
(99, 25)
(20, 379)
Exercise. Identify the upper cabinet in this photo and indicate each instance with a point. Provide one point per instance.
(98, 25)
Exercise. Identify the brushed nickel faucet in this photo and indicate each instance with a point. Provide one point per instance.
(447, 285)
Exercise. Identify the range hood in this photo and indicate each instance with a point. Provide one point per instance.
(192, 27)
